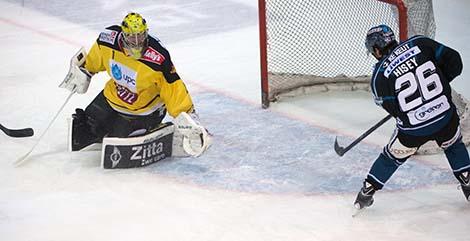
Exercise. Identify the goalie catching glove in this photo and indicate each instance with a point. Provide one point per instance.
(78, 78)
(196, 139)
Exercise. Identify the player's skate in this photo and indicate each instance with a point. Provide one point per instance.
(365, 196)
(464, 179)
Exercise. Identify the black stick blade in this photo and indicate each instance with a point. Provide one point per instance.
(338, 149)
(26, 132)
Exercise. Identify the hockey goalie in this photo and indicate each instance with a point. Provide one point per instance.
(126, 117)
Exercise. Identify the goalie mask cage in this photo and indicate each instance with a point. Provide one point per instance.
(308, 46)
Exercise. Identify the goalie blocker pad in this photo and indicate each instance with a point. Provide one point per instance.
(139, 151)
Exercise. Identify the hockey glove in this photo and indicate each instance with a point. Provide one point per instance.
(78, 78)
(196, 139)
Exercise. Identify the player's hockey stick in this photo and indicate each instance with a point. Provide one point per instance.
(23, 159)
(341, 150)
(25, 132)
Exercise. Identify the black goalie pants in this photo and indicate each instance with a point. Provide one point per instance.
(99, 119)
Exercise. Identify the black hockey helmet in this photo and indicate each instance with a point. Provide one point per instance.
(380, 37)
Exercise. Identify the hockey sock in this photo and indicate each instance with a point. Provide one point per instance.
(458, 158)
(382, 169)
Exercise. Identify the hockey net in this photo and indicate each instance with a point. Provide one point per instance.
(314, 46)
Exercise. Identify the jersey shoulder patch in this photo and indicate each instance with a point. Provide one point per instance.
(110, 36)
(153, 56)
(156, 56)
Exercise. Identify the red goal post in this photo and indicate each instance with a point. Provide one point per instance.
(290, 30)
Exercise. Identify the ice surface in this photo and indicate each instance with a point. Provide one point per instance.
(270, 175)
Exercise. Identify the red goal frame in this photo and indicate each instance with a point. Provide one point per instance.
(403, 32)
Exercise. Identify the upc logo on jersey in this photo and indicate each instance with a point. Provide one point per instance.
(152, 55)
(116, 71)
(108, 36)
(123, 75)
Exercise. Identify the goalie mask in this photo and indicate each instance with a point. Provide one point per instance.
(134, 35)
(382, 38)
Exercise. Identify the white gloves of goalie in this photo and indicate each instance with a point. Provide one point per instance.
(78, 78)
(196, 139)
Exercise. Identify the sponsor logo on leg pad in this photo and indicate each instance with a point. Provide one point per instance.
(137, 151)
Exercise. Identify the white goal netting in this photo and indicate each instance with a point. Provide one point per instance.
(315, 45)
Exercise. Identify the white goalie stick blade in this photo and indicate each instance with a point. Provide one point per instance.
(138, 151)
(195, 137)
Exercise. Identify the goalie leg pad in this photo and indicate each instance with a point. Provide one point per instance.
(101, 116)
(89, 126)
(137, 151)
(80, 133)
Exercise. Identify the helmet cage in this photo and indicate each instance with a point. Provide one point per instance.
(134, 40)
(134, 35)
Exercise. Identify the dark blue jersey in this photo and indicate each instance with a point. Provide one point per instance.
(412, 84)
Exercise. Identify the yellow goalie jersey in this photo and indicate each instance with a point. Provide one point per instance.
(138, 87)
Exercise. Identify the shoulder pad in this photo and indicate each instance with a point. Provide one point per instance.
(155, 52)
(156, 56)
(153, 56)
(158, 59)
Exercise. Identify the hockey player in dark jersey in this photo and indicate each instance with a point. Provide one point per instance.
(144, 85)
(411, 82)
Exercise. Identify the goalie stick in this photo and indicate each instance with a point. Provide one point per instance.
(24, 158)
(341, 150)
(25, 132)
